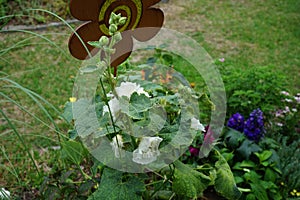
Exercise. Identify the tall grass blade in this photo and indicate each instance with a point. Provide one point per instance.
(21, 140)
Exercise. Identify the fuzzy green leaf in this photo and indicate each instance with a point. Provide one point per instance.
(115, 186)
(225, 183)
(95, 44)
(137, 105)
(189, 182)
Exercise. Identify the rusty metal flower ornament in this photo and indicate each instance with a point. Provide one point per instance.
(139, 14)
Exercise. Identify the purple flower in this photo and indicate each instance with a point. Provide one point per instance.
(236, 122)
(254, 126)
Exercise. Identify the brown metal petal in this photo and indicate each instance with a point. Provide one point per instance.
(151, 18)
(86, 10)
(88, 32)
(148, 3)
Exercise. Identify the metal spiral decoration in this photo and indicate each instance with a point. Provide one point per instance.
(132, 9)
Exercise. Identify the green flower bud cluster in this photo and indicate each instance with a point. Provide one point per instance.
(114, 22)
(106, 44)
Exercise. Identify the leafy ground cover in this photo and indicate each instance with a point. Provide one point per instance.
(248, 35)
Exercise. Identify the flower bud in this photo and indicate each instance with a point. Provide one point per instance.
(122, 21)
(113, 28)
(118, 36)
(104, 40)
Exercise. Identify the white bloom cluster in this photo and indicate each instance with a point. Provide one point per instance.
(117, 145)
(4, 194)
(125, 89)
(147, 150)
(128, 88)
(196, 125)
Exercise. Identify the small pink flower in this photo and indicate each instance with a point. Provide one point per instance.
(297, 99)
(222, 59)
(279, 113)
(289, 100)
(285, 93)
(287, 110)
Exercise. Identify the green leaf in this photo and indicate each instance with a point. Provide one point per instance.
(252, 176)
(250, 197)
(248, 164)
(68, 114)
(234, 137)
(189, 182)
(137, 105)
(265, 155)
(73, 151)
(247, 148)
(259, 191)
(115, 185)
(95, 44)
(225, 183)
(238, 179)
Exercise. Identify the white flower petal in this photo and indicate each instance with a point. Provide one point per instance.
(147, 151)
(117, 145)
(195, 124)
(114, 106)
(128, 88)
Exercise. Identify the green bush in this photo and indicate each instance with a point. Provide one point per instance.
(255, 166)
(256, 87)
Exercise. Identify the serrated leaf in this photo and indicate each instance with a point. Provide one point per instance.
(225, 183)
(114, 187)
(189, 182)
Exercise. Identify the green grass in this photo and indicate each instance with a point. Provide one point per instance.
(245, 33)
(248, 33)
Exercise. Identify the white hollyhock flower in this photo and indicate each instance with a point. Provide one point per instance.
(128, 88)
(114, 106)
(195, 124)
(147, 151)
(125, 89)
(117, 145)
(4, 194)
